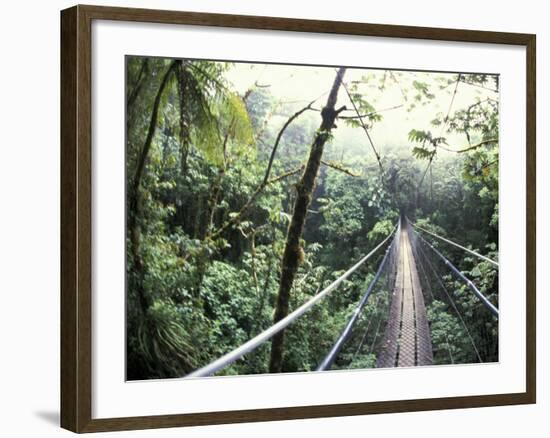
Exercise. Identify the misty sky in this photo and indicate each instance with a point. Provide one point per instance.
(299, 85)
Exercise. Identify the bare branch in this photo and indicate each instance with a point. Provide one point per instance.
(279, 136)
(285, 175)
(364, 116)
(470, 148)
(340, 167)
(485, 166)
(446, 119)
(399, 85)
(364, 128)
(236, 219)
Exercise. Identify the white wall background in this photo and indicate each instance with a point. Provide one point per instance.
(29, 216)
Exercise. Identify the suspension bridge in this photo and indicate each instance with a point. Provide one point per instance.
(413, 272)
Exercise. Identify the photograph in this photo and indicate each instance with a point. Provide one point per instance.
(301, 218)
(274, 220)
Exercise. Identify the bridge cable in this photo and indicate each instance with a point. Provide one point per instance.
(453, 304)
(487, 259)
(465, 279)
(373, 342)
(427, 279)
(364, 337)
(333, 353)
(390, 284)
(230, 357)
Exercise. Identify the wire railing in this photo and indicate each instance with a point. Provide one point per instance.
(468, 250)
(234, 355)
(358, 331)
(362, 347)
(490, 306)
(346, 332)
(423, 259)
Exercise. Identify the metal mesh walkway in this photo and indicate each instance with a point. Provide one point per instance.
(407, 340)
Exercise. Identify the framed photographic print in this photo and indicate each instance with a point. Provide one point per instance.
(268, 218)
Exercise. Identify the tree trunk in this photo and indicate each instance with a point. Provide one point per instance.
(135, 201)
(184, 122)
(132, 96)
(293, 253)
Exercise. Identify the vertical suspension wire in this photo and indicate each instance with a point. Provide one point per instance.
(250, 345)
(386, 291)
(486, 302)
(453, 305)
(392, 276)
(421, 264)
(375, 337)
(422, 259)
(366, 332)
(376, 313)
(385, 294)
(329, 359)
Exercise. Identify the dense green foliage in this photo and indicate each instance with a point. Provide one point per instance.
(209, 204)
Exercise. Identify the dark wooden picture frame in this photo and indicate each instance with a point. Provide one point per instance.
(76, 218)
